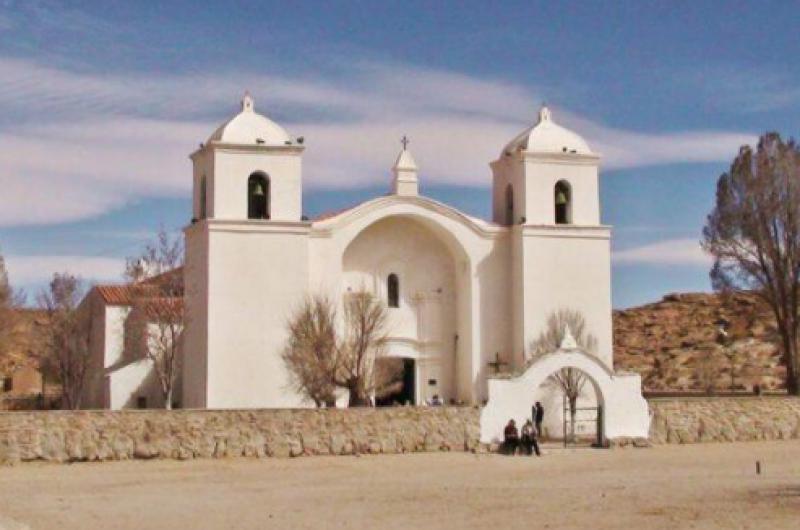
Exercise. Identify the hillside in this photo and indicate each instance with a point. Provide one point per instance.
(27, 337)
(673, 343)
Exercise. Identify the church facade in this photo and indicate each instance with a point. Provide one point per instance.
(465, 296)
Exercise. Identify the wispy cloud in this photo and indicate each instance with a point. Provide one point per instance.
(753, 89)
(99, 141)
(670, 252)
(26, 271)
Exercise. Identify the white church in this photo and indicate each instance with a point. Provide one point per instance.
(465, 296)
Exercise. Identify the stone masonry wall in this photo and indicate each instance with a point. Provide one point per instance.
(724, 419)
(62, 436)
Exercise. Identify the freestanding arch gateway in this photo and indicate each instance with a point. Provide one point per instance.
(625, 411)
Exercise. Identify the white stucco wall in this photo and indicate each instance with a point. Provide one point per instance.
(565, 267)
(132, 381)
(258, 274)
(626, 413)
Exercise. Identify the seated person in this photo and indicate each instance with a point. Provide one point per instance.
(528, 441)
(510, 438)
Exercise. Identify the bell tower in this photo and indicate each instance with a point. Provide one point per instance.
(246, 264)
(248, 169)
(546, 190)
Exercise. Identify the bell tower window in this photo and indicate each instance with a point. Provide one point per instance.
(563, 203)
(393, 290)
(202, 199)
(509, 205)
(258, 196)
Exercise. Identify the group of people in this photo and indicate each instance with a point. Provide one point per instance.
(525, 441)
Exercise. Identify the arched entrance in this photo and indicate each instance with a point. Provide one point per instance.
(624, 412)
(573, 407)
(404, 262)
(401, 389)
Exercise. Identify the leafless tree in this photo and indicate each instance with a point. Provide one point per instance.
(158, 258)
(311, 352)
(570, 381)
(753, 233)
(9, 303)
(363, 341)
(323, 354)
(68, 337)
(158, 317)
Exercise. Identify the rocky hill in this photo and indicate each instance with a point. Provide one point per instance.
(674, 344)
(671, 343)
(26, 337)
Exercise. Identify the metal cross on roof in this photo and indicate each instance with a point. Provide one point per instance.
(497, 364)
(405, 141)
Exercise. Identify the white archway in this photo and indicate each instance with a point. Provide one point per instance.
(625, 411)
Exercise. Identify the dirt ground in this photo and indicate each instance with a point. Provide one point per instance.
(675, 487)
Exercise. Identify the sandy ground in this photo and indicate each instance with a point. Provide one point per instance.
(675, 487)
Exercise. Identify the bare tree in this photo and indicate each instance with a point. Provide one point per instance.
(158, 317)
(311, 353)
(363, 341)
(68, 337)
(753, 233)
(570, 381)
(323, 354)
(158, 258)
(9, 302)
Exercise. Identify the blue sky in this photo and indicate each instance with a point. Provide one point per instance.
(101, 102)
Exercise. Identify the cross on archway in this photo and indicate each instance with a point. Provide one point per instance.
(497, 364)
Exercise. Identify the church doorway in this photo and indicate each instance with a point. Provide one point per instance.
(403, 391)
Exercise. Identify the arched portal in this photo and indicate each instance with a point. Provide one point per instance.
(572, 403)
(404, 262)
(625, 412)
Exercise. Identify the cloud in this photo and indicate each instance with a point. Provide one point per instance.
(671, 252)
(36, 270)
(100, 141)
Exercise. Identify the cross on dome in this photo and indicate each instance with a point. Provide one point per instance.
(247, 102)
(544, 113)
(405, 141)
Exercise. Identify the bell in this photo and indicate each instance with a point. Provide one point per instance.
(258, 190)
(561, 198)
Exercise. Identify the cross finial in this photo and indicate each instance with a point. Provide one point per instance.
(247, 101)
(405, 141)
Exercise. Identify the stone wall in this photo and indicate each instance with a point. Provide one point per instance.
(62, 436)
(724, 419)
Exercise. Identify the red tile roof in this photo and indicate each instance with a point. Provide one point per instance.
(123, 294)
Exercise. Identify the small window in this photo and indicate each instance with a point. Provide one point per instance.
(563, 203)
(258, 196)
(8, 384)
(202, 197)
(141, 402)
(393, 290)
(509, 205)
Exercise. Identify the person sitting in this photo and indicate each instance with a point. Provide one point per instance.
(528, 441)
(510, 438)
(436, 401)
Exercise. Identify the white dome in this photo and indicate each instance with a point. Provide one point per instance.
(249, 127)
(548, 137)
